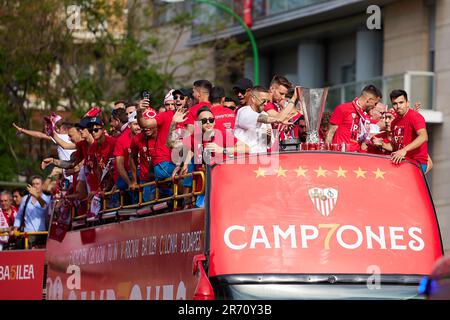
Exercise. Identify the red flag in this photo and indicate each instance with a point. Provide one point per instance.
(93, 112)
(50, 123)
(248, 19)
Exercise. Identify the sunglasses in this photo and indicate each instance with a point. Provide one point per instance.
(241, 91)
(178, 97)
(206, 120)
(91, 130)
(262, 102)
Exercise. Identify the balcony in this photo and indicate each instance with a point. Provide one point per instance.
(272, 17)
(419, 85)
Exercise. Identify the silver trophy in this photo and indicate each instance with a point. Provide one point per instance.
(312, 103)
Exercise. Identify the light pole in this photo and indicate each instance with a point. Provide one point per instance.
(229, 11)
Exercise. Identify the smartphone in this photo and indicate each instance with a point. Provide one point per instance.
(146, 94)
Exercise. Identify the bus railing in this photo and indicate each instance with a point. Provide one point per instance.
(19, 234)
(176, 195)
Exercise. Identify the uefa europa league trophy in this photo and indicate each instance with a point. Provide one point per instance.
(312, 103)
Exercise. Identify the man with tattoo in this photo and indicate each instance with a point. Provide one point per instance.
(253, 124)
(81, 147)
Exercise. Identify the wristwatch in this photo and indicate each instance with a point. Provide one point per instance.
(225, 151)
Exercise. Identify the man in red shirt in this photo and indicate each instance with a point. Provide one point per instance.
(410, 137)
(99, 160)
(7, 215)
(118, 122)
(280, 108)
(181, 97)
(162, 160)
(224, 118)
(142, 154)
(81, 147)
(381, 142)
(122, 174)
(350, 123)
(230, 103)
(201, 91)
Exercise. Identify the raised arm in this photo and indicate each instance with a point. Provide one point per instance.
(62, 143)
(264, 118)
(32, 133)
(173, 137)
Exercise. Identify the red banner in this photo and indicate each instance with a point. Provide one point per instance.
(21, 274)
(316, 213)
(248, 18)
(143, 259)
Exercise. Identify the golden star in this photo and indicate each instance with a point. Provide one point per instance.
(360, 173)
(301, 172)
(260, 172)
(341, 172)
(281, 172)
(379, 174)
(320, 172)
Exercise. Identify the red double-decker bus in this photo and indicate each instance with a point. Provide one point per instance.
(294, 225)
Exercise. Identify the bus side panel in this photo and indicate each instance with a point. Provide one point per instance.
(309, 213)
(144, 259)
(21, 274)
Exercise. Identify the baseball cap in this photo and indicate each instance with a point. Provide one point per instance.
(243, 84)
(169, 96)
(95, 121)
(182, 91)
(84, 122)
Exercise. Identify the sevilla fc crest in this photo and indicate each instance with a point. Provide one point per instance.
(324, 199)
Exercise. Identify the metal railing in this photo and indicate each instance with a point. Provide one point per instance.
(420, 86)
(26, 235)
(103, 213)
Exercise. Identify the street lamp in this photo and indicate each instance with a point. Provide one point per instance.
(229, 11)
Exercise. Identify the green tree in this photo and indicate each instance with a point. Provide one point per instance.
(48, 62)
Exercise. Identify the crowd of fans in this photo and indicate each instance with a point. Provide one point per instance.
(191, 128)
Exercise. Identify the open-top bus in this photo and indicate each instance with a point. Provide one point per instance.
(293, 225)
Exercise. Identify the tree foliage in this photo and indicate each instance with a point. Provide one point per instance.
(48, 62)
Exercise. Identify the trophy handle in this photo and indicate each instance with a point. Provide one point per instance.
(303, 106)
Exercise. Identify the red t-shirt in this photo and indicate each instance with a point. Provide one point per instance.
(122, 148)
(291, 134)
(371, 148)
(82, 149)
(162, 152)
(272, 106)
(224, 123)
(404, 131)
(347, 118)
(192, 112)
(97, 159)
(144, 148)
